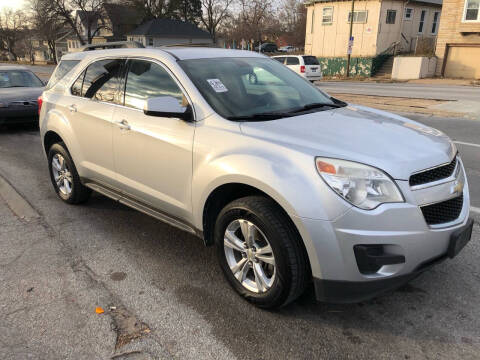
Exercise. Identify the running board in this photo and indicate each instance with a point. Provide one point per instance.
(137, 205)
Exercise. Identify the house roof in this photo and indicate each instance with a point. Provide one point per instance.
(83, 15)
(170, 28)
(123, 14)
(433, 2)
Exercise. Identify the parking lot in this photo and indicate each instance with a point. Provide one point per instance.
(163, 294)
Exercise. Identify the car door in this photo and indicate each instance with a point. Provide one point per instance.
(90, 110)
(293, 63)
(152, 154)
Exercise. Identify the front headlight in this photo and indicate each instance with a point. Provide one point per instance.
(361, 185)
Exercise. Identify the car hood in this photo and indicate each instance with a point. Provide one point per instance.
(389, 142)
(20, 94)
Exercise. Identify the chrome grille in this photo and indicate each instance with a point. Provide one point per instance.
(438, 173)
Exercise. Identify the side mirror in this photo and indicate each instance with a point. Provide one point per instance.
(167, 106)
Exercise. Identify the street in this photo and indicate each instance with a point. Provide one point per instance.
(409, 90)
(165, 297)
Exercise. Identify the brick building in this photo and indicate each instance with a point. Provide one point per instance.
(458, 41)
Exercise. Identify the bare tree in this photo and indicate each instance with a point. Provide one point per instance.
(12, 24)
(91, 12)
(293, 15)
(46, 23)
(153, 9)
(214, 13)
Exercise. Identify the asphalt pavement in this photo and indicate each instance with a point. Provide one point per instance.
(408, 90)
(164, 296)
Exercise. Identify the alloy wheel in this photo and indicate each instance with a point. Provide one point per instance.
(249, 256)
(62, 174)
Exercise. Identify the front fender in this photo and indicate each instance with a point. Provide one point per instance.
(295, 185)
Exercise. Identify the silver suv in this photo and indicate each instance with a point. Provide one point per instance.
(289, 184)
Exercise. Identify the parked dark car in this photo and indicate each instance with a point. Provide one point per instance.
(19, 91)
(267, 47)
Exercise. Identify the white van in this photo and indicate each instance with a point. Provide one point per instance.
(304, 65)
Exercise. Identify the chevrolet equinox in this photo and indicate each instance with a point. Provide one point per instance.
(290, 185)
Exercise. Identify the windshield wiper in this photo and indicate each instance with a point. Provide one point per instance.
(315, 106)
(260, 117)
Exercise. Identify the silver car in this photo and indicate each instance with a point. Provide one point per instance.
(289, 184)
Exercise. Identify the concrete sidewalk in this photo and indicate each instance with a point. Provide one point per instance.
(49, 296)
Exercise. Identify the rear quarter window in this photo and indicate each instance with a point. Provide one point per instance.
(60, 71)
(310, 60)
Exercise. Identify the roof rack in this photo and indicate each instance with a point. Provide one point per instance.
(192, 45)
(113, 45)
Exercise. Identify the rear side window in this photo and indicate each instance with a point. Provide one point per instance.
(60, 71)
(293, 61)
(102, 80)
(148, 80)
(77, 85)
(310, 60)
(280, 59)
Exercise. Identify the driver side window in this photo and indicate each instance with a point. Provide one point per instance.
(146, 80)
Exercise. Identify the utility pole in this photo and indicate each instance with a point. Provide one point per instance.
(350, 39)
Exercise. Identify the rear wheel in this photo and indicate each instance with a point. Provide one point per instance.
(64, 176)
(260, 252)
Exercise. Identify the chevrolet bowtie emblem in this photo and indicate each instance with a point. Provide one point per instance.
(457, 187)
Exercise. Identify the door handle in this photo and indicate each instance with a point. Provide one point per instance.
(123, 124)
(72, 108)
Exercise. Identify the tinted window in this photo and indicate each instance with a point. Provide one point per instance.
(77, 85)
(293, 61)
(310, 60)
(280, 59)
(61, 70)
(148, 80)
(102, 80)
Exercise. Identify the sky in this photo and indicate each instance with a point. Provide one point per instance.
(14, 4)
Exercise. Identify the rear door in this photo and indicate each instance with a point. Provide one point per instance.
(312, 66)
(90, 110)
(153, 154)
(293, 63)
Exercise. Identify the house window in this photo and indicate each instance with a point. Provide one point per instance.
(150, 41)
(408, 15)
(327, 15)
(422, 21)
(358, 16)
(436, 16)
(472, 12)
(391, 15)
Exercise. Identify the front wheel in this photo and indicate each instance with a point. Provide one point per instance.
(260, 252)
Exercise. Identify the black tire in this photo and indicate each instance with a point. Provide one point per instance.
(79, 193)
(291, 261)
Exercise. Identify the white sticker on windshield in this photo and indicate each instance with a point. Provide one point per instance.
(217, 85)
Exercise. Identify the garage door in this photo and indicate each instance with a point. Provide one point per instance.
(463, 62)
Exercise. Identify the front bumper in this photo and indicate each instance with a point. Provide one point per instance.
(337, 291)
(400, 229)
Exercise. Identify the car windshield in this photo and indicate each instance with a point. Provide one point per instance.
(19, 78)
(246, 87)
